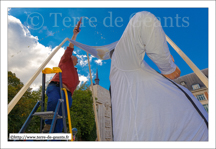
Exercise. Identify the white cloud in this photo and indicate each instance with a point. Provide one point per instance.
(99, 62)
(90, 58)
(26, 54)
(82, 79)
(83, 60)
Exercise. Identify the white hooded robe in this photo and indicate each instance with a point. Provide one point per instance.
(145, 105)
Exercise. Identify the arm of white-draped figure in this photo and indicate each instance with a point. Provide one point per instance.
(156, 47)
(175, 74)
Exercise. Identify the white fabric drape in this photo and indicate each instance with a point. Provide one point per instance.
(146, 106)
(101, 52)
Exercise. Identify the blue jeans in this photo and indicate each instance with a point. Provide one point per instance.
(53, 93)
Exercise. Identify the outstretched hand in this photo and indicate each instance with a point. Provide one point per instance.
(77, 27)
(76, 31)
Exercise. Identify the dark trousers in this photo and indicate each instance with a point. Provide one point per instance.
(53, 93)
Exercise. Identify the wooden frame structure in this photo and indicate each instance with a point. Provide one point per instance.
(14, 101)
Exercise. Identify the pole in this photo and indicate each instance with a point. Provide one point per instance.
(196, 70)
(42, 100)
(25, 87)
(94, 104)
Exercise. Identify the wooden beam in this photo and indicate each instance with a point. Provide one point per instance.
(94, 103)
(196, 70)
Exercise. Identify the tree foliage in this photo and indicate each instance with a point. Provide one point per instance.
(23, 108)
(82, 114)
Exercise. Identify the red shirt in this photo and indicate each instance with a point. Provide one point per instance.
(69, 73)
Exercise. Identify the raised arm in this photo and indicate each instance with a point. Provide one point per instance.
(156, 46)
(68, 52)
(75, 33)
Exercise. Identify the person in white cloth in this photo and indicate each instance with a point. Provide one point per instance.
(146, 106)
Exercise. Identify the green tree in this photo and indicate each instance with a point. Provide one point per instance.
(22, 109)
(82, 113)
(19, 113)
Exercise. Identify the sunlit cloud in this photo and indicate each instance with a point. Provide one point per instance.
(99, 62)
(26, 54)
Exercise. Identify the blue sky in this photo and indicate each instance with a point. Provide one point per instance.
(187, 27)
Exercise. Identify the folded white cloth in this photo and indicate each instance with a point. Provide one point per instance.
(101, 52)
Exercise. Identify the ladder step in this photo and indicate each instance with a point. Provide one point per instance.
(46, 115)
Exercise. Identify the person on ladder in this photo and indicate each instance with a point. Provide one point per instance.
(70, 81)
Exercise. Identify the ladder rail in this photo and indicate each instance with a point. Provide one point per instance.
(55, 116)
(68, 113)
(42, 100)
(29, 117)
(62, 105)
